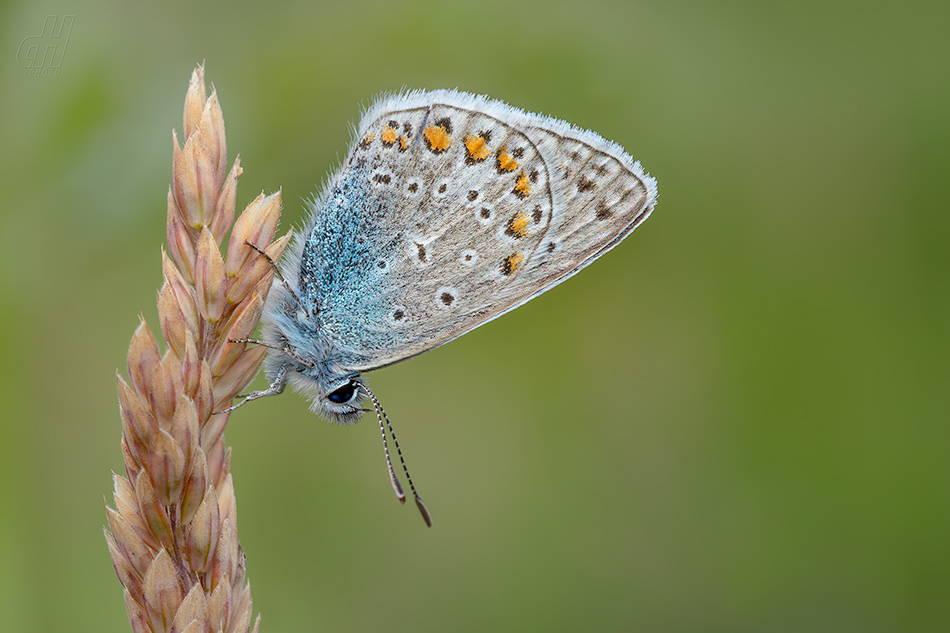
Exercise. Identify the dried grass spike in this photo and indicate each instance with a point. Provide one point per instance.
(173, 533)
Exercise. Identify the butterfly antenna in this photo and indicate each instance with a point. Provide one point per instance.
(381, 415)
(397, 488)
(280, 276)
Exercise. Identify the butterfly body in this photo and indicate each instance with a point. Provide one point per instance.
(449, 210)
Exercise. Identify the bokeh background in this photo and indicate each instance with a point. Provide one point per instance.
(736, 421)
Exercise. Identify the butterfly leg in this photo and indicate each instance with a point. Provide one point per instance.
(276, 388)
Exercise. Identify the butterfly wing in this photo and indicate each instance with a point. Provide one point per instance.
(452, 209)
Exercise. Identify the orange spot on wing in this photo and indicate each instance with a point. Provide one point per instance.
(511, 263)
(438, 138)
(476, 147)
(523, 187)
(403, 142)
(388, 135)
(505, 161)
(518, 225)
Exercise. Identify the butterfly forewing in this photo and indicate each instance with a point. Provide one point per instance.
(458, 209)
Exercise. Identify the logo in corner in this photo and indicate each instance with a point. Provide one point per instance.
(43, 54)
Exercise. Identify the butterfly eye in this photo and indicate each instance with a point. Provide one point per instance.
(344, 394)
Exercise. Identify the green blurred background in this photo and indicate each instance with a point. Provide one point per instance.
(736, 421)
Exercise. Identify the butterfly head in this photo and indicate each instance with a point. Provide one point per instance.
(337, 398)
(341, 404)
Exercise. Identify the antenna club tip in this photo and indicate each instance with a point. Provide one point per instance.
(396, 487)
(399, 493)
(424, 510)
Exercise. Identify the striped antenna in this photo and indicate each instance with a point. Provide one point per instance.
(381, 416)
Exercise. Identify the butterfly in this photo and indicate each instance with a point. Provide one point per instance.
(449, 210)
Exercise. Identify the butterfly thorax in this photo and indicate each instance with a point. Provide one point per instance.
(304, 357)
